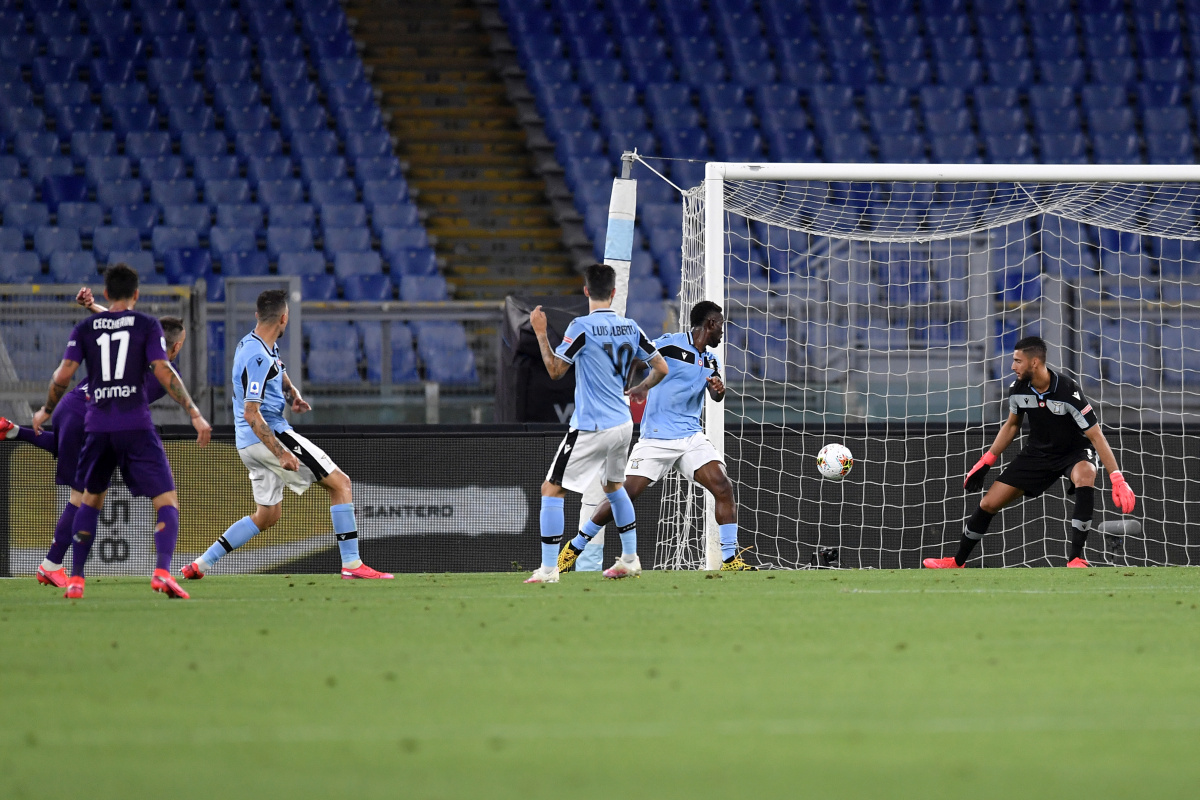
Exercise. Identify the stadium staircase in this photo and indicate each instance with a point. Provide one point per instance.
(467, 154)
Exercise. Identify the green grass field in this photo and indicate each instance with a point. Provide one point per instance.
(980, 683)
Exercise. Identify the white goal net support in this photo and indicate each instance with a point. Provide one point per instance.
(877, 306)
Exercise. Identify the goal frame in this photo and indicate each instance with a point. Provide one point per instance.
(716, 173)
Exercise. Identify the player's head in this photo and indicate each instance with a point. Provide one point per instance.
(707, 315)
(272, 310)
(121, 283)
(174, 333)
(1029, 355)
(600, 283)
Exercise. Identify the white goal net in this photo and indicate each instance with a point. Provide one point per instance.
(878, 305)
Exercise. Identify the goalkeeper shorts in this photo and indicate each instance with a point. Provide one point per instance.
(1035, 473)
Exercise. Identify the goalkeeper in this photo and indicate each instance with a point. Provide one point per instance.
(672, 437)
(1064, 441)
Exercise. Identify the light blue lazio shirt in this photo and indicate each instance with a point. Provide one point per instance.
(257, 377)
(602, 346)
(673, 406)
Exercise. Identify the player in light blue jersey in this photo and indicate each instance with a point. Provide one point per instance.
(602, 346)
(275, 454)
(672, 437)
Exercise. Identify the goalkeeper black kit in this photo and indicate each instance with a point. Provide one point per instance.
(1055, 442)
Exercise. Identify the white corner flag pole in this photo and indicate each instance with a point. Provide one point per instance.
(618, 252)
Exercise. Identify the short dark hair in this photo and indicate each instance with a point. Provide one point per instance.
(120, 282)
(1032, 346)
(601, 279)
(271, 304)
(172, 329)
(702, 311)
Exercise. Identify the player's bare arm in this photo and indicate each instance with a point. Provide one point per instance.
(60, 382)
(658, 371)
(554, 365)
(1123, 496)
(173, 384)
(299, 404)
(262, 430)
(716, 388)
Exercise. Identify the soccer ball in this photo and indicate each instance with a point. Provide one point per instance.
(834, 461)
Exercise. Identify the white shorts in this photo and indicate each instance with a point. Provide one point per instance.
(585, 456)
(654, 458)
(268, 477)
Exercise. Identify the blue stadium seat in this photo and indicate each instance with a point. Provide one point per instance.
(12, 240)
(250, 119)
(224, 239)
(1164, 70)
(141, 217)
(291, 215)
(1170, 148)
(301, 264)
(193, 217)
(289, 240)
(346, 240)
(331, 367)
(386, 192)
(368, 144)
(62, 97)
(23, 267)
(245, 263)
(1001, 121)
(106, 240)
(289, 192)
(317, 287)
(49, 239)
(1116, 148)
(134, 118)
(216, 168)
(315, 144)
(304, 119)
(72, 267)
(357, 263)
(423, 288)
(164, 238)
(35, 144)
(402, 238)
(1159, 95)
(19, 119)
(10, 167)
(962, 149)
(140, 260)
(351, 95)
(281, 46)
(185, 94)
(964, 74)
(164, 21)
(161, 168)
(956, 122)
(1012, 148)
(395, 215)
(334, 71)
(83, 217)
(449, 367)
(228, 47)
(147, 144)
(365, 286)
(16, 190)
(185, 265)
(64, 189)
(1068, 72)
(100, 169)
(902, 148)
(340, 192)
(226, 192)
(1103, 98)
(195, 144)
(350, 215)
(1057, 120)
(168, 71)
(26, 217)
(216, 72)
(1117, 71)
(41, 168)
(419, 261)
(271, 168)
(404, 361)
(173, 192)
(231, 97)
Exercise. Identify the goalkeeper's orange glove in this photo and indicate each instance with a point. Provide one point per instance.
(974, 481)
(1122, 494)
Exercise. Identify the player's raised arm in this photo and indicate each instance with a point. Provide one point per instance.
(556, 363)
(85, 299)
(1123, 496)
(173, 385)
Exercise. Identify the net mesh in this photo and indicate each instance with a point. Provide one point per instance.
(883, 315)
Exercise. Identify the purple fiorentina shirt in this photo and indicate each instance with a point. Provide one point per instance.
(118, 348)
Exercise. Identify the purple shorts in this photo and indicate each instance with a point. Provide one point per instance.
(139, 454)
(68, 438)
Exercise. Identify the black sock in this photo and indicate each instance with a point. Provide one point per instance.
(977, 526)
(1081, 520)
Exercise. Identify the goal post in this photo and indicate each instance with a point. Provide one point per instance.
(877, 303)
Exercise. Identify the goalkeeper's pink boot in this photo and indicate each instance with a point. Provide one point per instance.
(1078, 563)
(941, 563)
(163, 582)
(52, 577)
(363, 572)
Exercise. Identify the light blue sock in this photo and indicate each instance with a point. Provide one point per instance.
(551, 521)
(237, 535)
(728, 540)
(623, 518)
(346, 530)
(590, 529)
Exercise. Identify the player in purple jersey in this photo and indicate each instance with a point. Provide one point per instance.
(65, 441)
(119, 346)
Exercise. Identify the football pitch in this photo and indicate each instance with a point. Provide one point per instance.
(976, 683)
